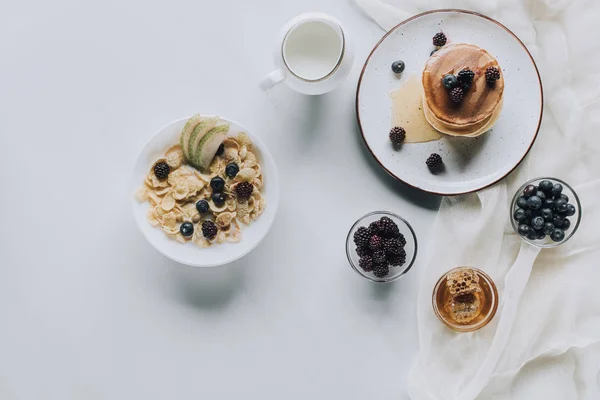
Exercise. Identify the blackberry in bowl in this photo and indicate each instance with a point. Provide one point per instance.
(381, 246)
(545, 212)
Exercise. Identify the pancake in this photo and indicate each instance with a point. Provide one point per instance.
(481, 101)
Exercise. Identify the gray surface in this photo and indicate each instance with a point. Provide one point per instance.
(89, 310)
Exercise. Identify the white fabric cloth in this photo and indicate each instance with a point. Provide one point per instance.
(544, 342)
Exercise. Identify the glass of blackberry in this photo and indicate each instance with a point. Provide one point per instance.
(381, 246)
(545, 212)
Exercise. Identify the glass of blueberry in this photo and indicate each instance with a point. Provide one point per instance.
(546, 212)
(381, 246)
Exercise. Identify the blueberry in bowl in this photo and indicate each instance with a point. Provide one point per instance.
(545, 212)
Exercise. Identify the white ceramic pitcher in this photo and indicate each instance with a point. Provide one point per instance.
(312, 55)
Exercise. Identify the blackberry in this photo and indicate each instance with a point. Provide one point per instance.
(361, 237)
(363, 251)
(434, 162)
(492, 74)
(209, 229)
(466, 76)
(396, 260)
(374, 227)
(375, 243)
(381, 270)
(402, 239)
(220, 150)
(366, 263)
(244, 190)
(393, 246)
(439, 39)
(388, 228)
(457, 95)
(379, 257)
(397, 135)
(161, 170)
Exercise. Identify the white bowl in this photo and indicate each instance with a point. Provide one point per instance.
(189, 253)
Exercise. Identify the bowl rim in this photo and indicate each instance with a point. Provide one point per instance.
(273, 180)
(358, 270)
(472, 327)
(513, 205)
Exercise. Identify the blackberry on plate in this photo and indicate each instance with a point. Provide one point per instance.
(465, 76)
(161, 170)
(186, 229)
(534, 202)
(375, 243)
(363, 251)
(397, 135)
(566, 224)
(217, 184)
(218, 198)
(398, 66)
(457, 95)
(449, 81)
(381, 270)
(202, 206)
(361, 237)
(379, 256)
(546, 186)
(209, 229)
(557, 235)
(537, 223)
(387, 227)
(434, 162)
(366, 263)
(220, 150)
(522, 202)
(232, 169)
(392, 246)
(557, 190)
(530, 190)
(548, 228)
(244, 190)
(396, 260)
(570, 210)
(439, 39)
(492, 74)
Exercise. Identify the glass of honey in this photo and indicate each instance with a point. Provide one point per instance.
(465, 299)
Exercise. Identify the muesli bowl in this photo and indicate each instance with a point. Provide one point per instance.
(188, 253)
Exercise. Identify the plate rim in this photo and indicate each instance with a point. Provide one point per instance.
(449, 10)
(264, 153)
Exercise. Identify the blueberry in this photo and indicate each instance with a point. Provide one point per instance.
(217, 184)
(186, 229)
(564, 197)
(548, 228)
(546, 187)
(566, 224)
(449, 81)
(220, 150)
(570, 210)
(557, 235)
(537, 223)
(534, 202)
(519, 215)
(540, 235)
(541, 195)
(529, 214)
(561, 205)
(547, 214)
(522, 202)
(557, 190)
(202, 206)
(529, 191)
(549, 203)
(524, 230)
(398, 66)
(232, 169)
(532, 235)
(558, 221)
(218, 198)
(432, 51)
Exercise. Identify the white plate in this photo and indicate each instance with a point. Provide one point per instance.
(471, 163)
(189, 253)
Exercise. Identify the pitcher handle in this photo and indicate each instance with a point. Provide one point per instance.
(272, 79)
